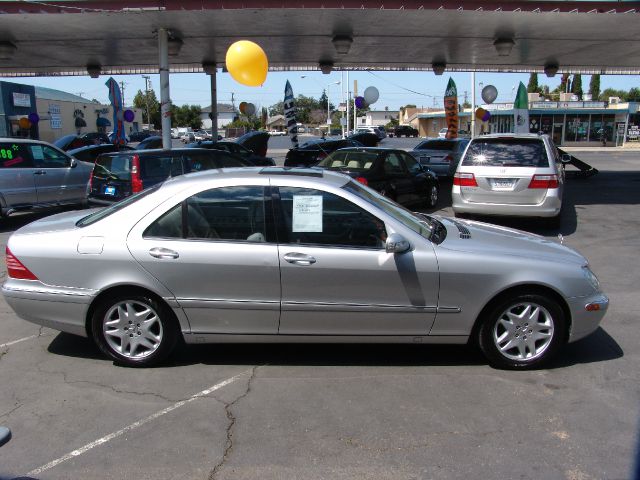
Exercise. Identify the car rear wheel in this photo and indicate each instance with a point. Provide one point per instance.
(522, 332)
(134, 330)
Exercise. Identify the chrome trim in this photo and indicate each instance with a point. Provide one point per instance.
(355, 307)
(449, 309)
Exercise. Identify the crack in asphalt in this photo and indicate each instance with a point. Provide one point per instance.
(9, 412)
(232, 421)
(102, 385)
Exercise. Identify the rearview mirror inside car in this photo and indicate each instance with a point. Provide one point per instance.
(396, 243)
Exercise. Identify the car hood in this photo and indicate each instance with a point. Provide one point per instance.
(55, 223)
(487, 239)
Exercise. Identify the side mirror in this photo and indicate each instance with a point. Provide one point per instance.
(566, 158)
(396, 243)
(74, 163)
(5, 435)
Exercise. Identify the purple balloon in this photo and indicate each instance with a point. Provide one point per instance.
(360, 103)
(486, 116)
(33, 117)
(128, 115)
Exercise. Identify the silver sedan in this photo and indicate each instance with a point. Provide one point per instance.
(295, 255)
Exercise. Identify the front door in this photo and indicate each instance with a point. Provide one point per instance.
(214, 253)
(337, 278)
(56, 181)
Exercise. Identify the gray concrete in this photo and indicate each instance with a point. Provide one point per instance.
(348, 411)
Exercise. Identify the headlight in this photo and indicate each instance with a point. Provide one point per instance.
(591, 278)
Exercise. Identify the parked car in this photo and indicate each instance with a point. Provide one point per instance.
(111, 137)
(69, 142)
(150, 143)
(91, 152)
(235, 149)
(239, 255)
(35, 175)
(440, 155)
(257, 141)
(277, 133)
(118, 175)
(367, 139)
(393, 173)
(508, 174)
(443, 132)
(405, 131)
(312, 152)
(139, 136)
(378, 131)
(188, 137)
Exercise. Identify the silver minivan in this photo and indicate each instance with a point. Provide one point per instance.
(509, 174)
(36, 174)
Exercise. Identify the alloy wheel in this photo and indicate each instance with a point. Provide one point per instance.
(523, 331)
(133, 329)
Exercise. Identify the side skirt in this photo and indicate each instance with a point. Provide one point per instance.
(225, 338)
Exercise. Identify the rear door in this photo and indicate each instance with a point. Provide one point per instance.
(400, 184)
(17, 181)
(56, 181)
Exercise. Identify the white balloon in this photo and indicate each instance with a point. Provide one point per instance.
(249, 109)
(371, 95)
(489, 94)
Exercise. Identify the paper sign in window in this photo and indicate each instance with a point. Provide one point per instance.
(307, 213)
(37, 152)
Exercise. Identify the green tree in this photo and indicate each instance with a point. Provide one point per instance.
(633, 95)
(186, 116)
(594, 87)
(612, 92)
(140, 101)
(576, 85)
(532, 86)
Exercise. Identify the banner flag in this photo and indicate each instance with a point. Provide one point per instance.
(118, 112)
(290, 114)
(451, 109)
(521, 111)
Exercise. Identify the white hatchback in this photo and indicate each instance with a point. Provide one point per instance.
(511, 175)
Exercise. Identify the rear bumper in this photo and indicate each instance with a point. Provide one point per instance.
(583, 320)
(62, 309)
(101, 202)
(549, 207)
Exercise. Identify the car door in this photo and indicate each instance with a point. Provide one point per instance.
(17, 181)
(56, 180)
(400, 186)
(216, 252)
(416, 176)
(337, 278)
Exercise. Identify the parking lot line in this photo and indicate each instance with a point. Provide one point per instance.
(135, 425)
(8, 344)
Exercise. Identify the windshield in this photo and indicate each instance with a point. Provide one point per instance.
(420, 223)
(506, 152)
(349, 160)
(105, 212)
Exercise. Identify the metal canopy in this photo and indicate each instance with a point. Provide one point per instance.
(63, 37)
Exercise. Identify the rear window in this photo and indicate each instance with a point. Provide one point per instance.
(436, 145)
(358, 161)
(105, 212)
(506, 152)
(113, 168)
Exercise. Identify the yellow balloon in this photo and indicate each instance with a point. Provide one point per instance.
(247, 63)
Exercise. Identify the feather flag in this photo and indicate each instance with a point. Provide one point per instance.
(521, 111)
(118, 111)
(290, 114)
(451, 109)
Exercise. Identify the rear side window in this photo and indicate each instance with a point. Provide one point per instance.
(15, 155)
(352, 160)
(506, 152)
(160, 166)
(113, 168)
(436, 145)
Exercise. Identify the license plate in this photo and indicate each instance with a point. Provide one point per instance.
(507, 183)
(109, 190)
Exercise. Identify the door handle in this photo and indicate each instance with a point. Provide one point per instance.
(159, 252)
(299, 259)
(40, 172)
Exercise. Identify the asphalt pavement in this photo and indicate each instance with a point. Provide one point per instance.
(345, 411)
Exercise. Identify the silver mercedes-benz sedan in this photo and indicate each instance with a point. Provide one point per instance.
(295, 255)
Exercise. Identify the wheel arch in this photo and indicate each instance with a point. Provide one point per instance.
(522, 289)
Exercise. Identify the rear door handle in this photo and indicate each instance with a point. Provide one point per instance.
(299, 259)
(40, 172)
(160, 252)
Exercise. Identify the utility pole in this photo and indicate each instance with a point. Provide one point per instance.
(147, 81)
(233, 103)
(122, 84)
(466, 96)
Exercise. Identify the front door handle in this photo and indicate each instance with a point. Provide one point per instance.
(160, 252)
(299, 259)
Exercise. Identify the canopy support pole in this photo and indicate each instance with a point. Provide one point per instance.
(165, 99)
(214, 106)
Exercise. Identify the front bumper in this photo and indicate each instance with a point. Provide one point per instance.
(586, 314)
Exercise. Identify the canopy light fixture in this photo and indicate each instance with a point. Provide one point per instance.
(7, 50)
(342, 44)
(209, 68)
(326, 67)
(94, 71)
(503, 46)
(438, 67)
(551, 69)
(175, 44)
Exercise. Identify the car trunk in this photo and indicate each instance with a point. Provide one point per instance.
(503, 186)
(111, 179)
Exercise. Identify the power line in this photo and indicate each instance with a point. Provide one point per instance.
(399, 86)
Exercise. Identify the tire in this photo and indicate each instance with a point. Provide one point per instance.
(501, 336)
(151, 321)
(432, 196)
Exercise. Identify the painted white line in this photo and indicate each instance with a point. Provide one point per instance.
(8, 344)
(135, 425)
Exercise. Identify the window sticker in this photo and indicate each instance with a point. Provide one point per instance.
(37, 152)
(307, 213)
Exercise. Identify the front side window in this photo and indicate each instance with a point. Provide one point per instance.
(412, 164)
(15, 155)
(47, 157)
(229, 214)
(315, 217)
(393, 165)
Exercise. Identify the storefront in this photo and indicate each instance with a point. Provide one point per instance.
(17, 102)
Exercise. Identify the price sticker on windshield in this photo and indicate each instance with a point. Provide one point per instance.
(307, 213)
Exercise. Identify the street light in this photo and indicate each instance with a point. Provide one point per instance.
(327, 90)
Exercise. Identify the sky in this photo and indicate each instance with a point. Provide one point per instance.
(396, 88)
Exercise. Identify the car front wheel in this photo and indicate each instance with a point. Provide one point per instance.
(522, 332)
(134, 330)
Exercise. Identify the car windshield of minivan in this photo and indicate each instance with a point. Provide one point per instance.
(422, 224)
(506, 152)
(347, 160)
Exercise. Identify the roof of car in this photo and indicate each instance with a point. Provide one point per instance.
(370, 149)
(510, 135)
(152, 151)
(20, 140)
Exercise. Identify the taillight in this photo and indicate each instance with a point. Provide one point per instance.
(90, 180)
(15, 268)
(136, 181)
(544, 181)
(362, 180)
(465, 180)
